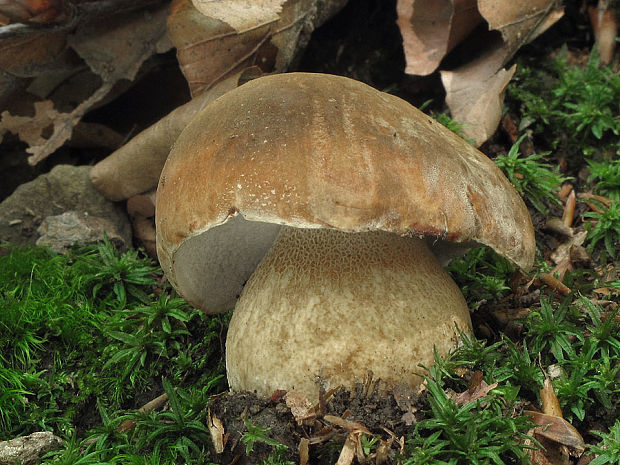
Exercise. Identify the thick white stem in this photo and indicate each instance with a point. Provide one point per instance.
(328, 306)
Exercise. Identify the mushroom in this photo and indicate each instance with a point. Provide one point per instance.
(336, 203)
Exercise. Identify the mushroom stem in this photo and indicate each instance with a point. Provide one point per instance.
(329, 306)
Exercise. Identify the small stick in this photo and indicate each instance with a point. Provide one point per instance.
(554, 283)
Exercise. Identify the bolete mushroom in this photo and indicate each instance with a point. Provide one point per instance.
(328, 197)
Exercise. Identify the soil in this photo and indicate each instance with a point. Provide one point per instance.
(387, 416)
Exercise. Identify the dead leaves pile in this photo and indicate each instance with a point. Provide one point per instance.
(64, 70)
(91, 53)
(474, 90)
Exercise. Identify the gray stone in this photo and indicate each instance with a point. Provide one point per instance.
(64, 188)
(28, 449)
(61, 232)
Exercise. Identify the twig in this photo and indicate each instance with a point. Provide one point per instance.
(555, 283)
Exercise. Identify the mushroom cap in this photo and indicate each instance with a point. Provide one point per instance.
(320, 151)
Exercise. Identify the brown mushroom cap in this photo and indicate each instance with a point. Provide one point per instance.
(320, 151)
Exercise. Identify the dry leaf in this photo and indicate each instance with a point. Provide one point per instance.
(300, 406)
(346, 424)
(568, 215)
(551, 453)
(405, 399)
(474, 94)
(477, 390)
(605, 26)
(563, 251)
(141, 211)
(210, 48)
(519, 21)
(216, 429)
(241, 15)
(33, 11)
(509, 315)
(150, 406)
(558, 430)
(559, 226)
(304, 451)
(554, 283)
(114, 49)
(142, 205)
(550, 402)
(30, 129)
(30, 55)
(431, 28)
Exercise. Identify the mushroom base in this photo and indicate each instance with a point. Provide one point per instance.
(329, 307)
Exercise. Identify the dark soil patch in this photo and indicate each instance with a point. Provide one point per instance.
(387, 416)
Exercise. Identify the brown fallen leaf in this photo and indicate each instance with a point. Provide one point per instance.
(478, 388)
(33, 11)
(150, 406)
(474, 91)
(550, 402)
(216, 39)
(474, 94)
(431, 28)
(141, 211)
(510, 127)
(558, 225)
(550, 454)
(565, 191)
(519, 21)
(29, 55)
(300, 406)
(558, 430)
(405, 398)
(568, 215)
(554, 283)
(241, 15)
(114, 48)
(605, 26)
(304, 451)
(563, 252)
(588, 197)
(347, 453)
(346, 424)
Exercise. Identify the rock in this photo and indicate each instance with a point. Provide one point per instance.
(61, 232)
(28, 449)
(64, 188)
